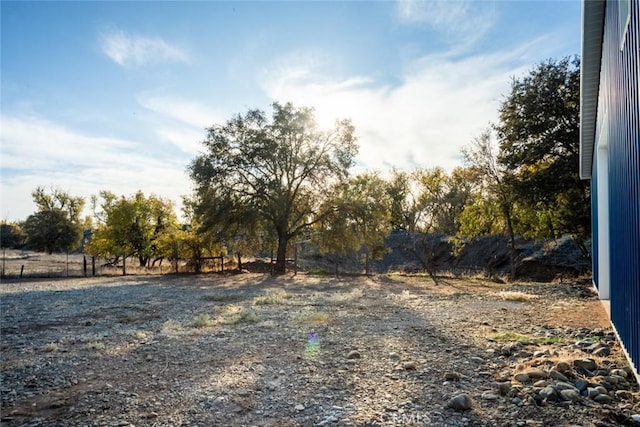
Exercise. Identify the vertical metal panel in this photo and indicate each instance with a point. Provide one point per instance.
(619, 93)
(594, 224)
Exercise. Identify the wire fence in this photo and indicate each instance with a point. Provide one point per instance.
(28, 264)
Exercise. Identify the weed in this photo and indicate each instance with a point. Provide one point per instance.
(272, 298)
(510, 336)
(51, 347)
(314, 318)
(516, 296)
(94, 345)
(171, 326)
(224, 298)
(202, 321)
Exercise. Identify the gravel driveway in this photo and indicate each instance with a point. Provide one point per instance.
(253, 349)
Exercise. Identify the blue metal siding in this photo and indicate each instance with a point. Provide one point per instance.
(594, 224)
(619, 92)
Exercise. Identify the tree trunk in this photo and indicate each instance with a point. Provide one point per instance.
(512, 243)
(281, 256)
(239, 256)
(143, 261)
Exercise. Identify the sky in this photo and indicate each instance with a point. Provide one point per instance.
(117, 95)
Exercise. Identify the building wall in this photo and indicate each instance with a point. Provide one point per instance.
(619, 106)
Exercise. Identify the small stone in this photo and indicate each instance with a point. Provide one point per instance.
(570, 395)
(503, 387)
(540, 383)
(561, 385)
(602, 351)
(592, 392)
(409, 366)
(487, 395)
(580, 384)
(635, 418)
(601, 389)
(563, 367)
(151, 415)
(619, 372)
(540, 353)
(452, 376)
(557, 375)
(548, 393)
(461, 402)
(624, 394)
(299, 407)
(602, 398)
(521, 377)
(354, 354)
(476, 359)
(394, 356)
(588, 364)
(536, 373)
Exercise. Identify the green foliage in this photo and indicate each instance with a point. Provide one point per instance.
(56, 226)
(361, 219)
(539, 141)
(279, 172)
(130, 226)
(443, 198)
(12, 235)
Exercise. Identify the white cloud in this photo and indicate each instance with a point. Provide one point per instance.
(440, 104)
(180, 122)
(38, 152)
(135, 50)
(463, 22)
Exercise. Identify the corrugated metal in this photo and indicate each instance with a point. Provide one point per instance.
(619, 94)
(594, 225)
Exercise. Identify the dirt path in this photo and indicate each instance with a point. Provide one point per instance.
(258, 350)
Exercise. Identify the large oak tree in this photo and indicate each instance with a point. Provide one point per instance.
(281, 168)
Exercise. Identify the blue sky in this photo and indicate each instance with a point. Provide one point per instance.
(116, 95)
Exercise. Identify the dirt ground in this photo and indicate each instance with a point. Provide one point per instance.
(253, 349)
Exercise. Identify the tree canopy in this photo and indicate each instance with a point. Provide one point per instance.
(538, 134)
(281, 169)
(130, 226)
(56, 226)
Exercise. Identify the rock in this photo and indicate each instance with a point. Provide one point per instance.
(635, 418)
(592, 392)
(557, 375)
(602, 398)
(619, 372)
(536, 373)
(299, 407)
(540, 383)
(623, 394)
(394, 356)
(548, 393)
(570, 395)
(460, 402)
(601, 389)
(503, 387)
(561, 385)
(580, 384)
(354, 354)
(563, 367)
(452, 376)
(540, 353)
(488, 395)
(476, 359)
(588, 364)
(602, 351)
(409, 366)
(521, 377)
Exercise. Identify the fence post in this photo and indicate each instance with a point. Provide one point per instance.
(93, 266)
(221, 263)
(84, 265)
(21, 270)
(124, 264)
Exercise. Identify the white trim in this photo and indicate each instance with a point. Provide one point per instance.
(602, 183)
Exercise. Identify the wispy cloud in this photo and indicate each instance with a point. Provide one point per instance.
(462, 22)
(179, 121)
(136, 50)
(36, 151)
(440, 104)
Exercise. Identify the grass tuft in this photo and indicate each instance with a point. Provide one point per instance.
(202, 321)
(272, 298)
(516, 296)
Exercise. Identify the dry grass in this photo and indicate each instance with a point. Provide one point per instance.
(272, 297)
(314, 318)
(516, 296)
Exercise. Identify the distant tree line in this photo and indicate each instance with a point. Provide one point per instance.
(264, 182)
